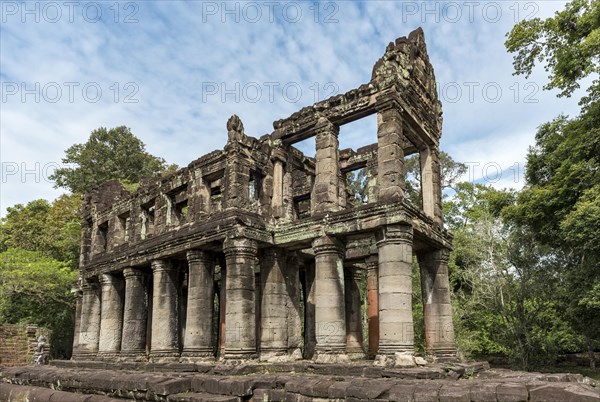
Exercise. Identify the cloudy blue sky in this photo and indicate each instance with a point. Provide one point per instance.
(174, 72)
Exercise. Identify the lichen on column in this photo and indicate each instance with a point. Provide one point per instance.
(396, 331)
(165, 326)
(111, 323)
(437, 308)
(199, 316)
(89, 333)
(135, 315)
(330, 311)
(240, 309)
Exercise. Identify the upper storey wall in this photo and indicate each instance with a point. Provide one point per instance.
(267, 180)
(403, 74)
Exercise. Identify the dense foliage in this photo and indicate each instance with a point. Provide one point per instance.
(109, 154)
(35, 289)
(568, 43)
(39, 241)
(52, 229)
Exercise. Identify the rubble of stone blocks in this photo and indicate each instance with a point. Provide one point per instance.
(288, 382)
(258, 251)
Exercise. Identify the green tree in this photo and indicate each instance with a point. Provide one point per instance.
(109, 154)
(568, 43)
(356, 187)
(23, 224)
(476, 267)
(561, 205)
(560, 202)
(450, 172)
(51, 229)
(508, 294)
(35, 289)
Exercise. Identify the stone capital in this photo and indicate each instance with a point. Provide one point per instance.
(325, 126)
(327, 245)
(90, 283)
(388, 100)
(199, 255)
(278, 155)
(395, 234)
(108, 280)
(372, 262)
(240, 246)
(356, 273)
(133, 273)
(161, 266)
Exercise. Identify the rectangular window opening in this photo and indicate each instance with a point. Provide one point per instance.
(302, 206)
(103, 235)
(357, 181)
(412, 175)
(216, 195)
(148, 214)
(124, 227)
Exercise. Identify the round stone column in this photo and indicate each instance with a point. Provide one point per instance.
(111, 321)
(354, 338)
(78, 298)
(165, 327)
(437, 309)
(330, 310)
(373, 304)
(396, 331)
(89, 329)
(240, 309)
(200, 306)
(135, 315)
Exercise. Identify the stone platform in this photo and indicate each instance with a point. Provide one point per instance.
(103, 382)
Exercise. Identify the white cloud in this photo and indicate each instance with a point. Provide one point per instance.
(166, 59)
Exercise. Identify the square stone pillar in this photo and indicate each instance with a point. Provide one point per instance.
(390, 151)
(278, 159)
(288, 192)
(89, 330)
(427, 185)
(330, 310)
(354, 338)
(396, 331)
(111, 322)
(135, 315)
(373, 303)
(437, 309)
(240, 309)
(165, 327)
(325, 194)
(437, 185)
(237, 177)
(200, 306)
(78, 301)
(431, 187)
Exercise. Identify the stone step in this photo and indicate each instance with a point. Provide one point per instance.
(47, 383)
(202, 397)
(20, 393)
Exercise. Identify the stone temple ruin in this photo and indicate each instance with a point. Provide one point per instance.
(244, 276)
(257, 251)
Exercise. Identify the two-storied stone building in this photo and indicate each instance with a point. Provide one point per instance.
(255, 251)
